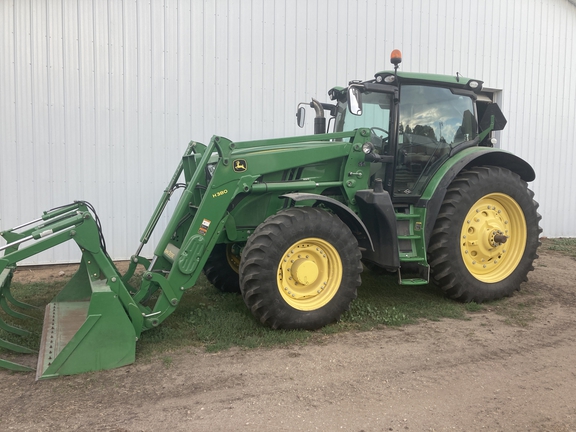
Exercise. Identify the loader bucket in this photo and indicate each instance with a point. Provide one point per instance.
(86, 328)
(89, 325)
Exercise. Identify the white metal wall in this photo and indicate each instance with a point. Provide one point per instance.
(98, 98)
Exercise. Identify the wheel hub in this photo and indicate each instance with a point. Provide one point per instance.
(304, 271)
(497, 238)
(309, 274)
(493, 237)
(233, 256)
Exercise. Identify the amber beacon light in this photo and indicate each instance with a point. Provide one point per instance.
(396, 57)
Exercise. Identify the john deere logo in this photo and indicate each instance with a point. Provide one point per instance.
(239, 165)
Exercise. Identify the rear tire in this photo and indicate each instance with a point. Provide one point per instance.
(485, 239)
(221, 268)
(300, 269)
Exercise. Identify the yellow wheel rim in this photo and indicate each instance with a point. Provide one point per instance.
(493, 237)
(233, 256)
(309, 274)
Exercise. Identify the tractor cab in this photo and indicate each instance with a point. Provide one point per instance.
(417, 121)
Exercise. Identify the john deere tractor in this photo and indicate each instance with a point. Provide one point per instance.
(400, 176)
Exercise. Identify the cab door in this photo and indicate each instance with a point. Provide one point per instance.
(432, 121)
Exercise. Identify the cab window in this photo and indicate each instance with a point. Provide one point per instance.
(432, 120)
(376, 116)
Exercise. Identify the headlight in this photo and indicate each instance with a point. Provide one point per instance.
(476, 86)
(368, 148)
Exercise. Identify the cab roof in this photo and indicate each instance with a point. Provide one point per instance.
(447, 79)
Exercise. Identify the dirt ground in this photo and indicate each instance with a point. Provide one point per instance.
(489, 373)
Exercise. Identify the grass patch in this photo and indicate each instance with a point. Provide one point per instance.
(167, 361)
(519, 313)
(473, 307)
(206, 317)
(565, 245)
(381, 301)
(36, 294)
(216, 321)
(520, 309)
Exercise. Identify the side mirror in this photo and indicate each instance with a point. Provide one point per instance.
(354, 100)
(301, 117)
(493, 110)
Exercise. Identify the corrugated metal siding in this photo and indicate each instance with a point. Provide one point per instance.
(99, 98)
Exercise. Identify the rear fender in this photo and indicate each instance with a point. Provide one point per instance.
(433, 196)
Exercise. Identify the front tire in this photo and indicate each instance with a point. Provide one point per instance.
(221, 268)
(300, 269)
(485, 239)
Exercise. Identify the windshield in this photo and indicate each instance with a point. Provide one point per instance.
(375, 113)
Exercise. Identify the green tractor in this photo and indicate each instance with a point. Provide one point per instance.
(406, 180)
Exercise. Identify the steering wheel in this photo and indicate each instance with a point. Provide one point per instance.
(379, 129)
(383, 141)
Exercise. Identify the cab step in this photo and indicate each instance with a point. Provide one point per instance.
(419, 275)
(414, 281)
(411, 247)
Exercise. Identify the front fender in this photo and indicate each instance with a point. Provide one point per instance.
(346, 215)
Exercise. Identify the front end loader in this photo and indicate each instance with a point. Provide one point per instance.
(403, 178)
